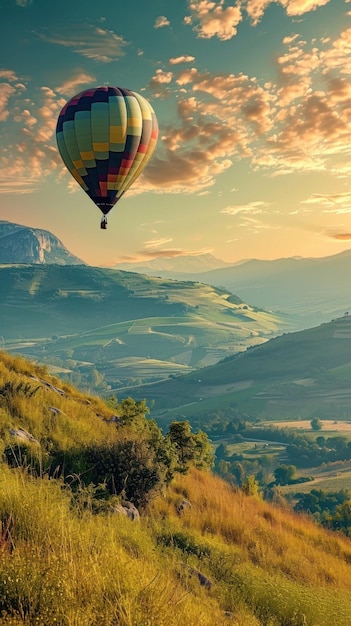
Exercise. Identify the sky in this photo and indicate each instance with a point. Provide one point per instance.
(253, 100)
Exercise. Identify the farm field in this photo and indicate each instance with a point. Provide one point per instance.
(329, 478)
(331, 426)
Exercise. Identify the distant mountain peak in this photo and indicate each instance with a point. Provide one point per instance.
(182, 263)
(24, 244)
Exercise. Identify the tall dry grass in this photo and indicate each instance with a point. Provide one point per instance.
(60, 567)
(278, 563)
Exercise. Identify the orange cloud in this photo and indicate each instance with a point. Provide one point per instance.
(161, 22)
(257, 8)
(212, 19)
(340, 236)
(159, 84)
(169, 252)
(6, 91)
(71, 86)
(181, 59)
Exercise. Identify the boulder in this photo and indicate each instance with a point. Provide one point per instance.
(128, 509)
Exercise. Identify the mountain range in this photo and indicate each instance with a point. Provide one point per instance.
(22, 244)
(169, 266)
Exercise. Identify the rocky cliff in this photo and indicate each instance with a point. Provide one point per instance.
(22, 244)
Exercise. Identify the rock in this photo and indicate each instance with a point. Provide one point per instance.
(20, 433)
(128, 509)
(183, 505)
(203, 580)
(52, 387)
(23, 244)
(54, 410)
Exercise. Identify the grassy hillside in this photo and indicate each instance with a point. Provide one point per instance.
(300, 374)
(201, 554)
(128, 327)
(310, 290)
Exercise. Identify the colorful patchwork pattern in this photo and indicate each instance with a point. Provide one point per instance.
(106, 136)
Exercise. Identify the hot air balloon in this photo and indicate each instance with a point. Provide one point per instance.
(106, 136)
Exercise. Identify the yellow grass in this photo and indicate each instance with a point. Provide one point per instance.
(327, 425)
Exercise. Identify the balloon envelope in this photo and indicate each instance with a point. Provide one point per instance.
(105, 137)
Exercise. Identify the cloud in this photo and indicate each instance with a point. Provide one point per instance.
(339, 236)
(181, 59)
(72, 85)
(299, 7)
(8, 75)
(338, 203)
(24, 3)
(161, 21)
(337, 56)
(170, 252)
(257, 8)
(212, 19)
(92, 42)
(252, 208)
(290, 39)
(156, 243)
(299, 122)
(159, 84)
(6, 91)
(193, 156)
(17, 186)
(153, 254)
(30, 155)
(26, 117)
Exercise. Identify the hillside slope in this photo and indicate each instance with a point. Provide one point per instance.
(309, 290)
(301, 374)
(125, 325)
(202, 554)
(22, 244)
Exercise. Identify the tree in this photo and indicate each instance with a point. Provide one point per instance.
(316, 424)
(284, 474)
(131, 411)
(191, 449)
(250, 486)
(238, 472)
(222, 452)
(342, 517)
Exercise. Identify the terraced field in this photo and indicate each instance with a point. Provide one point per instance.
(130, 328)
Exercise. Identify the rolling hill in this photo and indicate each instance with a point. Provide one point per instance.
(295, 375)
(22, 244)
(126, 326)
(309, 290)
